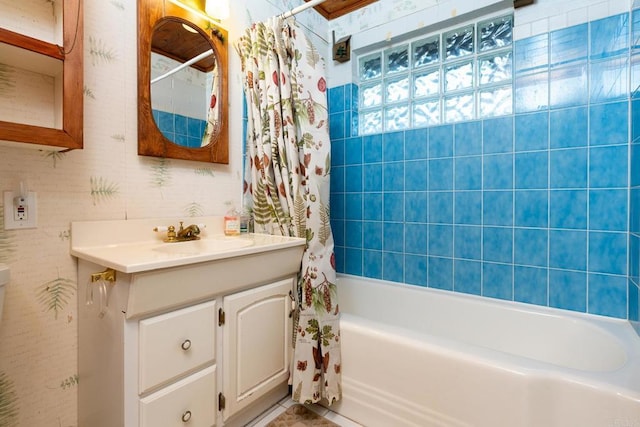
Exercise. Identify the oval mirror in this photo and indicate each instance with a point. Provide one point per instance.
(182, 86)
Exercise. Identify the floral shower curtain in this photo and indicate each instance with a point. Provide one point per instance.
(213, 113)
(287, 184)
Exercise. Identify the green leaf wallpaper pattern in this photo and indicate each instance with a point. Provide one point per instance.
(205, 172)
(8, 402)
(117, 4)
(161, 172)
(88, 92)
(101, 189)
(56, 295)
(65, 235)
(54, 156)
(7, 81)
(7, 245)
(194, 209)
(99, 52)
(69, 382)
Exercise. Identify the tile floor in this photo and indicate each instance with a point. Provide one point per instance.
(285, 403)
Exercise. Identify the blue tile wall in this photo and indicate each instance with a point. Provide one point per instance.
(541, 207)
(633, 283)
(183, 130)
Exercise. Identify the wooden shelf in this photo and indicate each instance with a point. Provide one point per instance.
(29, 43)
(30, 60)
(70, 136)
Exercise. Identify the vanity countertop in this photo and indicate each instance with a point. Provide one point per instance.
(131, 246)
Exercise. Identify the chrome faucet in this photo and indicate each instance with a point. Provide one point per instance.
(184, 234)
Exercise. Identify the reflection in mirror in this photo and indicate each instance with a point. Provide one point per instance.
(184, 84)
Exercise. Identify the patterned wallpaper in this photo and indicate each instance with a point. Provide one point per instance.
(105, 180)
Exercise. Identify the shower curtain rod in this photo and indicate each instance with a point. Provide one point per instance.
(195, 59)
(203, 55)
(301, 8)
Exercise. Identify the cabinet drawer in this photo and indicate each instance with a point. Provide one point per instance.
(174, 343)
(188, 402)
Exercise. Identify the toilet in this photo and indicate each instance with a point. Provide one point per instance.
(4, 279)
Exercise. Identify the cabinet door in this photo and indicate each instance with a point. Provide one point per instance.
(256, 343)
(188, 402)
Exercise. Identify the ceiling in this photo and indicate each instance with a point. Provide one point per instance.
(332, 9)
(172, 40)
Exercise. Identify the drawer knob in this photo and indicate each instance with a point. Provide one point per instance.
(186, 416)
(186, 345)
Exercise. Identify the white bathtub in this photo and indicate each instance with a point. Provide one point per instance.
(413, 356)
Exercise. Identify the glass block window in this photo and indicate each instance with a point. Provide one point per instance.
(426, 51)
(463, 73)
(396, 60)
(370, 67)
(459, 43)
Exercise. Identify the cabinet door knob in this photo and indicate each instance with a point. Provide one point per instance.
(186, 345)
(186, 416)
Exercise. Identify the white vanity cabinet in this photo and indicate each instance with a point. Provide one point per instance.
(219, 361)
(189, 334)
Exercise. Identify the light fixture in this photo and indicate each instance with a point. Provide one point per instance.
(217, 8)
(188, 28)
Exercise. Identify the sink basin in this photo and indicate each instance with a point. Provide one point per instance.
(131, 246)
(196, 247)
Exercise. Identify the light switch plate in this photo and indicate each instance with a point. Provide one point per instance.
(31, 217)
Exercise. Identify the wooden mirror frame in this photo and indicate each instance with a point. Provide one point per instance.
(151, 142)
